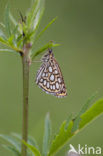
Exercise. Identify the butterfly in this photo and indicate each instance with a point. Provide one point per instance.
(49, 76)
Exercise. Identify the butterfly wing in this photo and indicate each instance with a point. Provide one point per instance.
(39, 73)
(59, 79)
(50, 79)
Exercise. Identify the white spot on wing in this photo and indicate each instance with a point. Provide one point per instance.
(41, 80)
(50, 69)
(43, 74)
(47, 84)
(56, 72)
(52, 77)
(59, 80)
(53, 87)
(57, 85)
(44, 82)
(46, 74)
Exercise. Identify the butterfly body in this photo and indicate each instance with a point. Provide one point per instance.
(49, 76)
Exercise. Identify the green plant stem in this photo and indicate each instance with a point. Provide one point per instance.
(25, 63)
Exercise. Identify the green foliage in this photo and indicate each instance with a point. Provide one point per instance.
(12, 19)
(27, 32)
(33, 149)
(12, 141)
(31, 140)
(6, 21)
(45, 47)
(24, 31)
(8, 50)
(15, 141)
(77, 119)
(33, 14)
(65, 133)
(12, 149)
(61, 138)
(2, 35)
(94, 111)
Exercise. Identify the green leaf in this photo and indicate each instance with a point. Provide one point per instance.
(36, 16)
(39, 15)
(65, 135)
(3, 41)
(45, 47)
(39, 35)
(2, 35)
(47, 134)
(12, 19)
(12, 149)
(68, 121)
(2, 24)
(9, 45)
(91, 114)
(10, 39)
(83, 109)
(31, 140)
(33, 16)
(32, 148)
(61, 138)
(32, 12)
(14, 32)
(7, 22)
(12, 141)
(8, 50)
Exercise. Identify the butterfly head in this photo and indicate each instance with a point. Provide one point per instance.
(50, 51)
(49, 55)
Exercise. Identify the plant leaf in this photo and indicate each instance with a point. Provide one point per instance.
(10, 46)
(33, 16)
(32, 12)
(7, 22)
(65, 135)
(2, 24)
(47, 134)
(10, 39)
(40, 11)
(9, 50)
(77, 119)
(31, 140)
(11, 148)
(12, 141)
(60, 139)
(45, 47)
(68, 121)
(3, 41)
(12, 19)
(37, 17)
(32, 148)
(39, 35)
(92, 113)
(2, 34)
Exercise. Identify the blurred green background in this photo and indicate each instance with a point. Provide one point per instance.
(79, 30)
